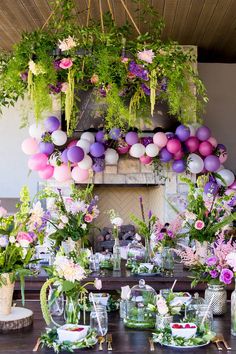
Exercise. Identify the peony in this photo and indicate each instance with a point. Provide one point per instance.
(66, 63)
(226, 276)
(231, 260)
(67, 44)
(88, 218)
(211, 261)
(117, 221)
(98, 284)
(64, 86)
(146, 55)
(3, 212)
(68, 270)
(94, 79)
(3, 241)
(199, 224)
(24, 239)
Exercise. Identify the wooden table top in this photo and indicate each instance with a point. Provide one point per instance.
(125, 341)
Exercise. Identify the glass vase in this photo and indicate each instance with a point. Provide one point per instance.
(55, 302)
(72, 309)
(99, 320)
(116, 255)
(147, 250)
(167, 261)
(163, 321)
(233, 311)
(219, 302)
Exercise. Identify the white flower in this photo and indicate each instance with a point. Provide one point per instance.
(117, 221)
(137, 237)
(12, 239)
(67, 44)
(161, 304)
(17, 244)
(36, 68)
(24, 251)
(68, 270)
(36, 216)
(125, 291)
(64, 219)
(98, 284)
(146, 55)
(84, 226)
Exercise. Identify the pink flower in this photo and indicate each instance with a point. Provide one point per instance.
(24, 239)
(66, 63)
(124, 60)
(226, 276)
(199, 225)
(94, 79)
(146, 55)
(64, 86)
(231, 260)
(88, 218)
(98, 284)
(3, 212)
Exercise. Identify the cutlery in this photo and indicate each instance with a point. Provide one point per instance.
(216, 341)
(101, 340)
(151, 344)
(222, 339)
(109, 341)
(36, 347)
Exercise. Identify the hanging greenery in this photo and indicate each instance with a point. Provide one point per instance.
(128, 74)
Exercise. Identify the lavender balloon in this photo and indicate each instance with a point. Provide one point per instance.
(170, 135)
(146, 140)
(165, 155)
(179, 166)
(203, 133)
(211, 163)
(131, 138)
(115, 133)
(99, 164)
(97, 149)
(211, 188)
(182, 132)
(100, 136)
(64, 157)
(75, 154)
(51, 124)
(46, 148)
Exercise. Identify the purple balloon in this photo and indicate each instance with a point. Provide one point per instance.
(75, 154)
(179, 166)
(170, 135)
(211, 163)
(131, 138)
(146, 140)
(64, 157)
(211, 188)
(165, 155)
(203, 133)
(51, 124)
(182, 132)
(97, 149)
(99, 164)
(115, 133)
(46, 148)
(100, 136)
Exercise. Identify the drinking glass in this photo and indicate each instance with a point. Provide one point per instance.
(99, 320)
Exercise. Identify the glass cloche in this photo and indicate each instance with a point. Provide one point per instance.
(138, 313)
(135, 253)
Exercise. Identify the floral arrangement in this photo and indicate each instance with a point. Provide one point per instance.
(116, 222)
(166, 235)
(71, 217)
(164, 307)
(218, 266)
(128, 75)
(19, 233)
(66, 274)
(206, 213)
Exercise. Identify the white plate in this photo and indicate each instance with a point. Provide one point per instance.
(185, 346)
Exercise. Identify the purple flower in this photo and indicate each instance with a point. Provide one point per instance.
(213, 273)
(138, 71)
(226, 276)
(160, 236)
(211, 261)
(56, 64)
(149, 214)
(24, 75)
(3, 241)
(146, 89)
(170, 234)
(55, 88)
(164, 84)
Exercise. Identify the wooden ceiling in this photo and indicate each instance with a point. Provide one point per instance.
(209, 24)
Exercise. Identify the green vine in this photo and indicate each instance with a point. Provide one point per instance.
(43, 300)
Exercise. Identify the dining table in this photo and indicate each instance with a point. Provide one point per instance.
(124, 340)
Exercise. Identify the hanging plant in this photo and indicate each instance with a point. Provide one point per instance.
(129, 75)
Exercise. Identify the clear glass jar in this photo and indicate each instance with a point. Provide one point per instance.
(233, 311)
(72, 309)
(138, 313)
(55, 302)
(163, 321)
(94, 264)
(116, 255)
(167, 261)
(204, 317)
(123, 308)
(136, 252)
(219, 302)
(99, 320)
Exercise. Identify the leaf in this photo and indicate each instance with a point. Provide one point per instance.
(67, 286)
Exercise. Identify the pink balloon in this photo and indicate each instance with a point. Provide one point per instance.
(213, 141)
(37, 162)
(30, 146)
(160, 139)
(173, 146)
(62, 173)
(179, 155)
(47, 172)
(192, 144)
(223, 157)
(145, 160)
(72, 143)
(233, 186)
(205, 148)
(79, 175)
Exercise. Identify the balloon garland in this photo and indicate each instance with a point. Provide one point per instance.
(189, 148)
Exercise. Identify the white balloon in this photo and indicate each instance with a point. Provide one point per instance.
(111, 157)
(54, 158)
(227, 176)
(152, 150)
(137, 150)
(36, 131)
(195, 163)
(59, 137)
(86, 163)
(84, 144)
(193, 128)
(88, 136)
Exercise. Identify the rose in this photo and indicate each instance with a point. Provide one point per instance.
(98, 284)
(88, 218)
(66, 63)
(3, 212)
(117, 221)
(199, 224)
(226, 276)
(213, 273)
(24, 239)
(211, 261)
(231, 260)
